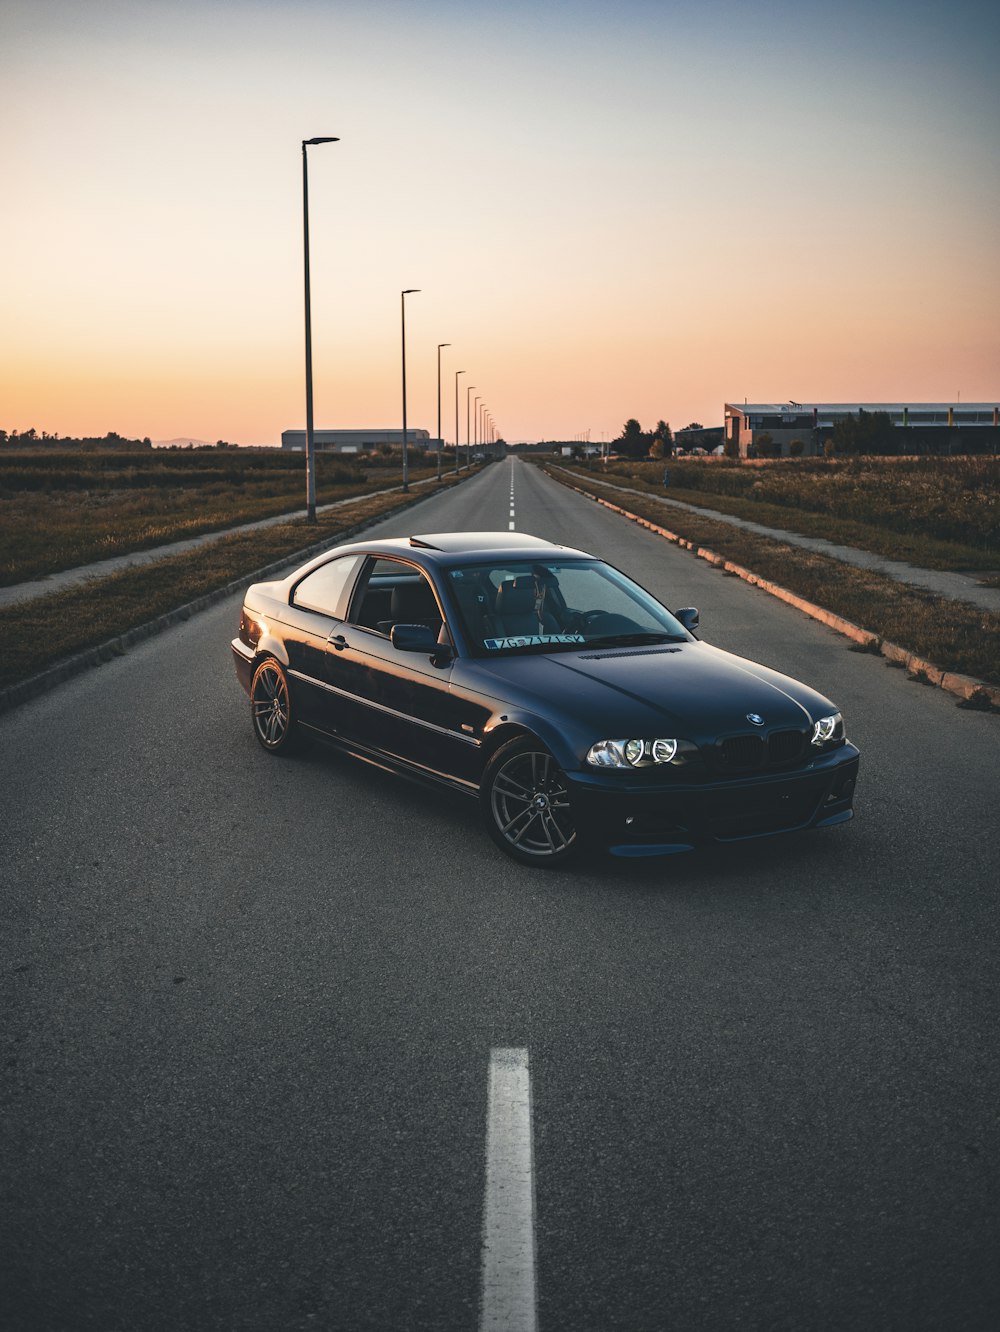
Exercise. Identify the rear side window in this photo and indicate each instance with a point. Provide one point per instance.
(324, 589)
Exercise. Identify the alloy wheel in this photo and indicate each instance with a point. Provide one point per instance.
(530, 804)
(269, 705)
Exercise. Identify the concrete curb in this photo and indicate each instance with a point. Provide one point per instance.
(925, 672)
(14, 695)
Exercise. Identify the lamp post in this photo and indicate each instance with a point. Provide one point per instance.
(468, 418)
(310, 450)
(457, 373)
(440, 442)
(475, 423)
(410, 291)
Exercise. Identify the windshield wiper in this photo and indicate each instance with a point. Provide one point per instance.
(634, 640)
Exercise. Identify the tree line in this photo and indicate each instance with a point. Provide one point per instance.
(32, 439)
(634, 442)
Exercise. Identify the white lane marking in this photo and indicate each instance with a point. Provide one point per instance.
(508, 1294)
(510, 527)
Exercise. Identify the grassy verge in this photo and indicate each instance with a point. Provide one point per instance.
(39, 633)
(73, 513)
(951, 634)
(913, 542)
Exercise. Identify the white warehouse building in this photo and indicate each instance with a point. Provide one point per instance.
(356, 441)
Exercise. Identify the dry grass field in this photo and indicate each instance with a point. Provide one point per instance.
(940, 513)
(61, 509)
(45, 630)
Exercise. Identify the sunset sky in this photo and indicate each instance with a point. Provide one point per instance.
(641, 208)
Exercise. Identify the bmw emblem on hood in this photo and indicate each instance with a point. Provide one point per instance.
(755, 719)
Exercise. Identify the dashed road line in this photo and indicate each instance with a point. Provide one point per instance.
(509, 1296)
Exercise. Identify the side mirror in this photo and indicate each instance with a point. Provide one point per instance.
(689, 618)
(417, 638)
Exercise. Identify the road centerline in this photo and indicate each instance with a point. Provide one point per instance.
(509, 1301)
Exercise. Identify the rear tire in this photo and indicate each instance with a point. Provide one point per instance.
(271, 713)
(525, 802)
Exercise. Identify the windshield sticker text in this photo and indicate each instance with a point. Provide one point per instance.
(530, 640)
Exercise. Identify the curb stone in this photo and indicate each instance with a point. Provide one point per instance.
(962, 686)
(14, 695)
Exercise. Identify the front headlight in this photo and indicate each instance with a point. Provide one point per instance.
(631, 753)
(827, 729)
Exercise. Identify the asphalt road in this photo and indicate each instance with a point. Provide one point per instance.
(248, 1008)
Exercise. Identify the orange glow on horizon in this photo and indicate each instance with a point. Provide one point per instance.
(589, 255)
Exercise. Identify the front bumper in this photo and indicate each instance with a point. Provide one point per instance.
(634, 817)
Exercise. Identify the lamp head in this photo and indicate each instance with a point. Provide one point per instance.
(320, 140)
(410, 290)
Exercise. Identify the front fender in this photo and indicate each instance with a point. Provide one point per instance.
(520, 720)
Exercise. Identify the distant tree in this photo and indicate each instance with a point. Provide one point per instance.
(632, 443)
(765, 445)
(663, 441)
(796, 448)
(695, 425)
(829, 448)
(732, 448)
(868, 432)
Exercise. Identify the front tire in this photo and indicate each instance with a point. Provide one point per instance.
(526, 805)
(271, 713)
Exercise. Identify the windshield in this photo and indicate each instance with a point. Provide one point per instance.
(556, 606)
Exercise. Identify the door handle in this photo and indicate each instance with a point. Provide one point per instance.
(340, 642)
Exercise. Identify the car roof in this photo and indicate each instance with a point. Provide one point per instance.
(469, 542)
(440, 548)
(453, 547)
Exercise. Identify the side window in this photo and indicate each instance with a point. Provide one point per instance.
(323, 590)
(394, 593)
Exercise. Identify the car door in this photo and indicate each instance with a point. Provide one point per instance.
(402, 701)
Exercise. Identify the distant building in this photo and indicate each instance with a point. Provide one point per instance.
(356, 441)
(935, 426)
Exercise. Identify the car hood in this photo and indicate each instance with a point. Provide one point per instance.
(686, 689)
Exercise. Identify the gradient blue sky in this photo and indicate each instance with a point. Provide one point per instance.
(611, 209)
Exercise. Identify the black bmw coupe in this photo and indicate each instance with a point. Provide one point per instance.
(578, 709)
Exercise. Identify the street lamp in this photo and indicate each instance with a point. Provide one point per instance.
(457, 373)
(440, 442)
(475, 421)
(410, 291)
(468, 417)
(310, 451)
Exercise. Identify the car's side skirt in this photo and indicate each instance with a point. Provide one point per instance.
(391, 763)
